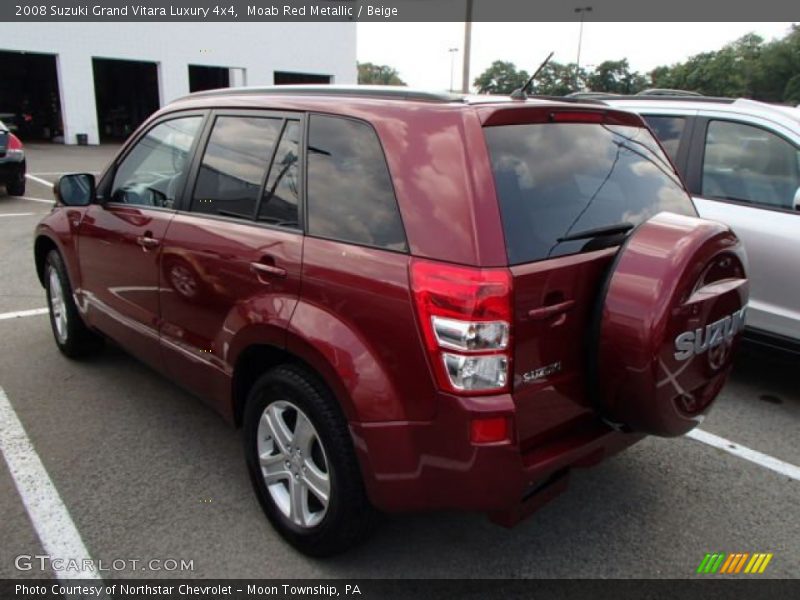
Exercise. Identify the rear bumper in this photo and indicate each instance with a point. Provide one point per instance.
(412, 466)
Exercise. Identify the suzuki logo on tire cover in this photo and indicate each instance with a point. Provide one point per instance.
(691, 343)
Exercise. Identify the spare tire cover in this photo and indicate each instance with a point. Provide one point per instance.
(669, 319)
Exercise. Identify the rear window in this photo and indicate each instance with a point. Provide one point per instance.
(555, 180)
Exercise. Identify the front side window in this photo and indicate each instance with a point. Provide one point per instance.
(350, 193)
(749, 164)
(668, 130)
(153, 171)
(556, 180)
(234, 165)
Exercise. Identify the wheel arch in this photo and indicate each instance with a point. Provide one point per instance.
(41, 248)
(256, 359)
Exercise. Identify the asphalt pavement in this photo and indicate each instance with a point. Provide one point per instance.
(148, 472)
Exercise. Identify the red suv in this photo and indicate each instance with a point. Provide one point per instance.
(408, 301)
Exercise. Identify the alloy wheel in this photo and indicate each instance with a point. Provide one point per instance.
(293, 463)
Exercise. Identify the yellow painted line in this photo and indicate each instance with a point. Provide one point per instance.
(749, 566)
(765, 563)
(757, 564)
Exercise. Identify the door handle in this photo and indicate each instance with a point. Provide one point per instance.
(545, 312)
(147, 242)
(271, 270)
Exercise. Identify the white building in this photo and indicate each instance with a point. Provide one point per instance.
(103, 79)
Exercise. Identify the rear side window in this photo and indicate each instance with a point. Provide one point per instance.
(555, 180)
(350, 193)
(234, 165)
(669, 131)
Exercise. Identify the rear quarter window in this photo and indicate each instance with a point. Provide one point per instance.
(557, 179)
(669, 131)
(350, 192)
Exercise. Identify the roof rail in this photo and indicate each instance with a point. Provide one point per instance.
(683, 98)
(388, 92)
(667, 92)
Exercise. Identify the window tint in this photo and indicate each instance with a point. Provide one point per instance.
(750, 164)
(281, 194)
(558, 179)
(234, 165)
(350, 194)
(668, 130)
(153, 171)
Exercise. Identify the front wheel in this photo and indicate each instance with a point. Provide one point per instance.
(302, 463)
(72, 336)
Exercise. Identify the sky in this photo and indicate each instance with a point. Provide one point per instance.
(420, 51)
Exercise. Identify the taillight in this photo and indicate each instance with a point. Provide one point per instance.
(465, 316)
(14, 143)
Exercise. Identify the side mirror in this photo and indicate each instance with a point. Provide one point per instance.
(75, 189)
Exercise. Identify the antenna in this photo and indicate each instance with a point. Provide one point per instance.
(522, 93)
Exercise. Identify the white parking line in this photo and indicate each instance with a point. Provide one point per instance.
(17, 214)
(39, 180)
(754, 456)
(23, 313)
(35, 199)
(49, 516)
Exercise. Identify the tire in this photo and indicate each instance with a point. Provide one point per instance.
(72, 337)
(277, 405)
(16, 187)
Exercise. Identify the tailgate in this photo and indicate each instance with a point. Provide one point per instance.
(590, 175)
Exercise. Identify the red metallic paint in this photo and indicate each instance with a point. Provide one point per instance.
(347, 311)
(211, 295)
(119, 277)
(676, 273)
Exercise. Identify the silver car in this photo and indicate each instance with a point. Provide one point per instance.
(741, 161)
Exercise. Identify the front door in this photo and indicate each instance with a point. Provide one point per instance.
(121, 236)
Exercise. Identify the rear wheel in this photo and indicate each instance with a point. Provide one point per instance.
(302, 463)
(72, 336)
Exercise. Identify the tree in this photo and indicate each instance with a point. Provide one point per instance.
(556, 79)
(747, 67)
(501, 78)
(615, 77)
(371, 74)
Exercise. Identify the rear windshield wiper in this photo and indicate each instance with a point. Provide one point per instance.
(586, 234)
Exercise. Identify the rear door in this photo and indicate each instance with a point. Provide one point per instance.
(232, 255)
(122, 235)
(747, 174)
(565, 179)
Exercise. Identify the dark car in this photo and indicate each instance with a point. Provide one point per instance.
(409, 301)
(12, 162)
